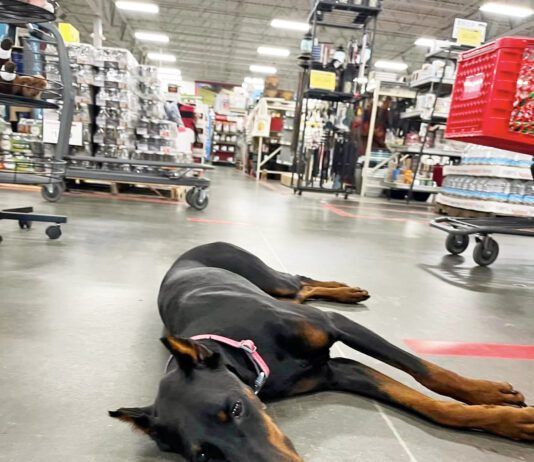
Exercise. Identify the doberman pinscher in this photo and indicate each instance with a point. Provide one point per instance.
(238, 332)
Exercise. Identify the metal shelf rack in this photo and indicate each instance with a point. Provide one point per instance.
(48, 173)
(334, 15)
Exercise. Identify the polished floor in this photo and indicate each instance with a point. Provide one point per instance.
(79, 327)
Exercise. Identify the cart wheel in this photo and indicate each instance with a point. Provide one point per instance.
(52, 192)
(53, 232)
(486, 252)
(346, 196)
(199, 199)
(456, 243)
(300, 193)
(25, 224)
(189, 196)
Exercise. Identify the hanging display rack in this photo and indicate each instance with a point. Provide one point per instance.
(329, 14)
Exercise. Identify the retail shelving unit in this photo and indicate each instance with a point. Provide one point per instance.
(342, 16)
(277, 143)
(440, 85)
(376, 89)
(46, 45)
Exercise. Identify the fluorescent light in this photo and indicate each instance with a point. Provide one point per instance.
(263, 69)
(430, 43)
(290, 25)
(273, 51)
(140, 7)
(164, 57)
(152, 37)
(507, 10)
(391, 65)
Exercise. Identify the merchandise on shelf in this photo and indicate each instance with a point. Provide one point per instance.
(490, 174)
(226, 129)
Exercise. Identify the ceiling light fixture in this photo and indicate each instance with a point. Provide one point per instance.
(391, 65)
(290, 25)
(163, 57)
(507, 10)
(139, 7)
(263, 69)
(273, 51)
(152, 37)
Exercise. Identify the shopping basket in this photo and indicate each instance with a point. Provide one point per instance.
(489, 106)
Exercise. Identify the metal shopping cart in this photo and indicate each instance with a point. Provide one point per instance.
(30, 170)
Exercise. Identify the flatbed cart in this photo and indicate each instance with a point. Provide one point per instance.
(486, 249)
(33, 171)
(160, 173)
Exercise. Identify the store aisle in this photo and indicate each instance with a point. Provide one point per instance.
(79, 326)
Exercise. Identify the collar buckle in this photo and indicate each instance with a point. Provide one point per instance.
(248, 346)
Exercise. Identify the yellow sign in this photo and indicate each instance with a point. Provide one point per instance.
(69, 33)
(322, 80)
(469, 37)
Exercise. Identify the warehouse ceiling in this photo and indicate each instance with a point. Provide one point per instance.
(217, 40)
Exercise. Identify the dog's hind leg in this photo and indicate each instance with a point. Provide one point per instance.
(239, 261)
(430, 375)
(353, 377)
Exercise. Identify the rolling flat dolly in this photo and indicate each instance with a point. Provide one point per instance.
(486, 249)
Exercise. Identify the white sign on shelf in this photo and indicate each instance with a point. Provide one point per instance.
(51, 132)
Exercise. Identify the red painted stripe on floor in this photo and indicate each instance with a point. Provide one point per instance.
(344, 214)
(380, 209)
(477, 350)
(217, 222)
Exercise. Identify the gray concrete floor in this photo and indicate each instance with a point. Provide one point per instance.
(79, 325)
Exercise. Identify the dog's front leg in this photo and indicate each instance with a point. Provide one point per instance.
(350, 376)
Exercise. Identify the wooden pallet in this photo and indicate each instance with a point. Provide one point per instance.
(176, 193)
(458, 212)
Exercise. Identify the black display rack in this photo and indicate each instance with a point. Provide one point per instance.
(331, 14)
(46, 172)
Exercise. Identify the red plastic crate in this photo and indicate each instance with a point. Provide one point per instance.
(484, 94)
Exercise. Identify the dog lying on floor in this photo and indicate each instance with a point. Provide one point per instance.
(239, 332)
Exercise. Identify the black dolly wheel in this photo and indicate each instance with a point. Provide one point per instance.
(486, 252)
(52, 192)
(197, 198)
(456, 243)
(53, 232)
(25, 224)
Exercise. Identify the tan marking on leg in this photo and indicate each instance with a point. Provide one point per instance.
(325, 284)
(469, 391)
(305, 385)
(341, 294)
(314, 337)
(509, 422)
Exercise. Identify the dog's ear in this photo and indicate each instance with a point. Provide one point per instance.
(189, 353)
(140, 417)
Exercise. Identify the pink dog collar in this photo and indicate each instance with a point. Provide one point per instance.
(252, 351)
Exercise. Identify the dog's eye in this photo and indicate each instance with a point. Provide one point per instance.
(203, 457)
(237, 409)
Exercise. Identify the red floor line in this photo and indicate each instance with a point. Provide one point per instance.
(217, 222)
(123, 197)
(477, 350)
(344, 214)
(353, 207)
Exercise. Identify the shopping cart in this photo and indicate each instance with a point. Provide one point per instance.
(486, 249)
(31, 170)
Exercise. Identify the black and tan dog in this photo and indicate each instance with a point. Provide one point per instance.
(206, 408)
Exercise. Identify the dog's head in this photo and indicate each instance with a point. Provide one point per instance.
(205, 413)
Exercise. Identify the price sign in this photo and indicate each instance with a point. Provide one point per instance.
(467, 32)
(322, 80)
(51, 132)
